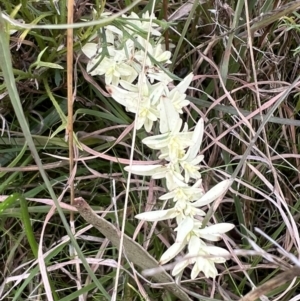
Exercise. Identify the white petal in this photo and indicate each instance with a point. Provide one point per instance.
(184, 228)
(217, 228)
(130, 78)
(197, 160)
(90, 49)
(167, 196)
(98, 65)
(157, 141)
(195, 271)
(211, 237)
(180, 266)
(140, 122)
(219, 259)
(148, 125)
(129, 86)
(164, 57)
(207, 266)
(197, 139)
(114, 80)
(213, 194)
(200, 212)
(172, 252)
(117, 94)
(183, 85)
(217, 251)
(124, 69)
(194, 245)
(158, 75)
(158, 215)
(169, 117)
(114, 29)
(173, 179)
(145, 170)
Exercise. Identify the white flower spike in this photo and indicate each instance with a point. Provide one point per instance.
(119, 57)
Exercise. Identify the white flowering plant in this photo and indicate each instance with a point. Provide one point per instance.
(134, 71)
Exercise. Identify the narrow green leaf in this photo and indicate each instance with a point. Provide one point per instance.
(9, 202)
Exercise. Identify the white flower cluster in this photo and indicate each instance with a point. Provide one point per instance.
(120, 57)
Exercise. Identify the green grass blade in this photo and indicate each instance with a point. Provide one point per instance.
(9, 202)
(6, 65)
(27, 225)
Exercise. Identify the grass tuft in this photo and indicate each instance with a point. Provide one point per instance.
(248, 101)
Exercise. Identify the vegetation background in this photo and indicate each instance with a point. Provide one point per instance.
(245, 58)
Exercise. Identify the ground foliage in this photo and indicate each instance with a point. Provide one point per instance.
(265, 197)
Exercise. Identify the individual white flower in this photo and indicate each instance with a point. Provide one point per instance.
(180, 211)
(154, 57)
(189, 210)
(171, 144)
(185, 209)
(144, 105)
(172, 251)
(173, 176)
(112, 70)
(146, 115)
(189, 162)
(170, 107)
(177, 95)
(203, 257)
(183, 230)
(149, 90)
(179, 100)
(183, 192)
(113, 66)
(213, 255)
(156, 52)
(168, 171)
(145, 109)
(199, 253)
(191, 168)
(160, 55)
